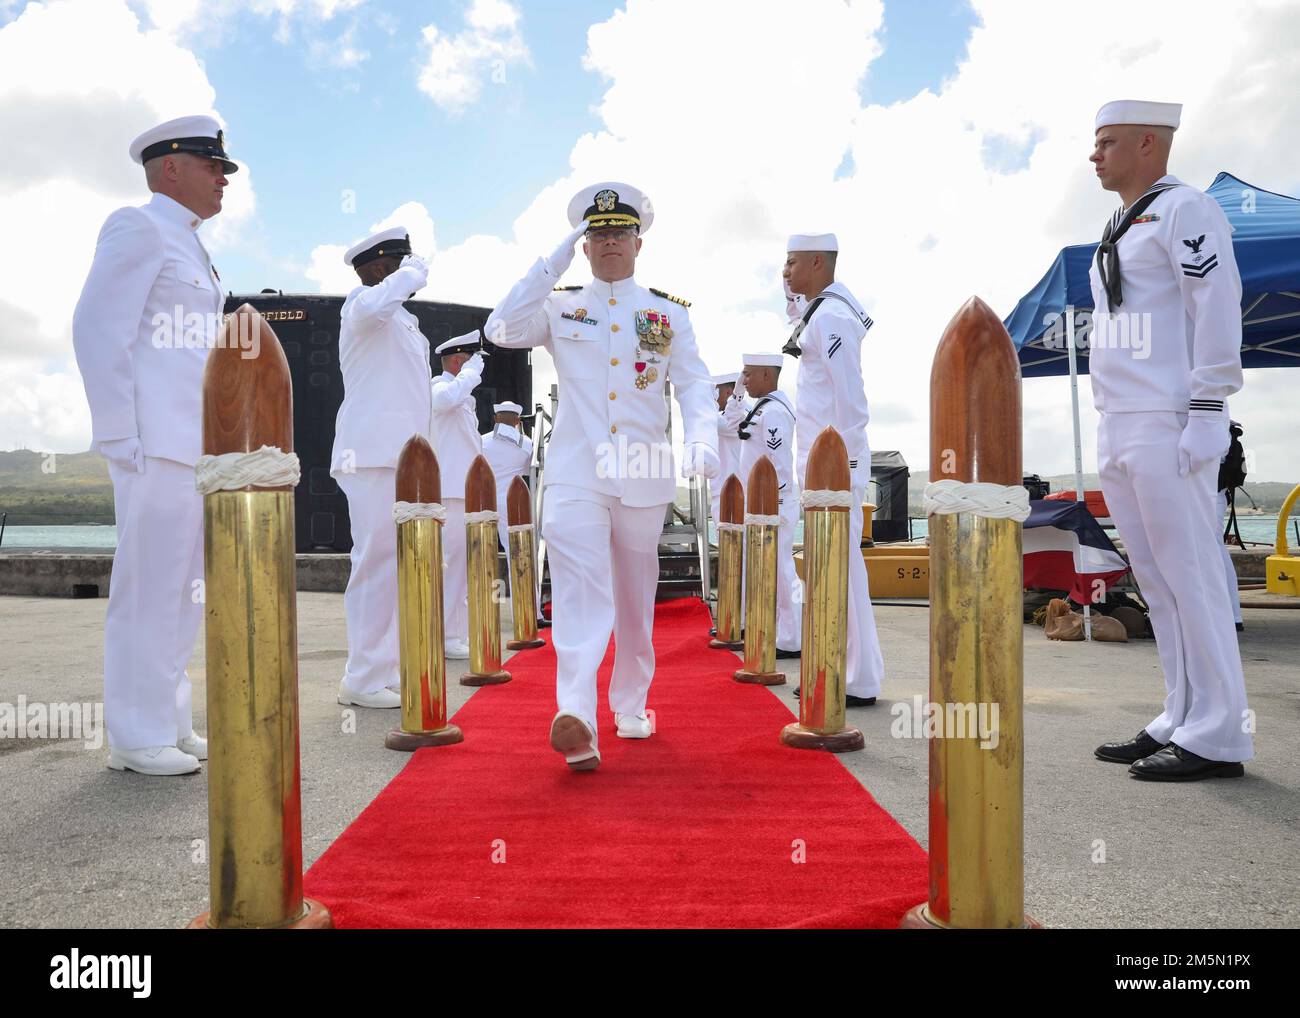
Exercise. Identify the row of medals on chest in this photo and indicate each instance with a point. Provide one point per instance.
(654, 337)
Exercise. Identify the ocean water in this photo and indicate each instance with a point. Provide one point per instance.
(1262, 529)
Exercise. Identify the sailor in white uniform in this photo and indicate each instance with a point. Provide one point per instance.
(147, 318)
(457, 442)
(385, 362)
(509, 453)
(732, 407)
(830, 393)
(1165, 355)
(610, 474)
(768, 430)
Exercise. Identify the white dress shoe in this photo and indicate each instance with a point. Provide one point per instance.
(574, 738)
(632, 726)
(152, 760)
(195, 745)
(382, 699)
(456, 650)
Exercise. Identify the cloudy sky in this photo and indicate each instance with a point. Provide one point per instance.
(944, 141)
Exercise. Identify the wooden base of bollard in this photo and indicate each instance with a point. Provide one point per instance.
(524, 644)
(760, 678)
(717, 644)
(846, 740)
(919, 918)
(489, 679)
(315, 916)
(409, 742)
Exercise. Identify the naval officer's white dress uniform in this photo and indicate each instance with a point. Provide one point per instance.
(385, 363)
(509, 453)
(142, 330)
(770, 425)
(1162, 430)
(830, 393)
(616, 346)
(455, 427)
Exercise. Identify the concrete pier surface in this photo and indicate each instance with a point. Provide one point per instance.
(84, 846)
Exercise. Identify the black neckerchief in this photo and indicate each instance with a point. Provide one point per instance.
(1108, 249)
(792, 344)
(740, 428)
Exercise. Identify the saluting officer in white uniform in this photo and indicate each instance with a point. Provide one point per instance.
(1165, 356)
(732, 407)
(609, 467)
(148, 316)
(830, 393)
(455, 427)
(768, 430)
(509, 453)
(385, 362)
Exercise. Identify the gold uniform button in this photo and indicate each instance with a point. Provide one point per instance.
(613, 428)
(613, 328)
(613, 396)
(614, 361)
(612, 302)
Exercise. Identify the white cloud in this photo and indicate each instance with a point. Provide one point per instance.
(82, 78)
(457, 66)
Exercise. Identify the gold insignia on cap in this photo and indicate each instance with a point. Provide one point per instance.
(606, 200)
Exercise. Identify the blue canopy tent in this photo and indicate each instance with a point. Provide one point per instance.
(1266, 243)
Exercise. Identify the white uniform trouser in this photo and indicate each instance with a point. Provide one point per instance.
(154, 607)
(864, 664)
(370, 601)
(604, 562)
(1168, 528)
(1229, 571)
(455, 576)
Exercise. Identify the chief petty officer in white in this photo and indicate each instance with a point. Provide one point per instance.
(1165, 356)
(147, 318)
(509, 453)
(830, 393)
(767, 430)
(732, 407)
(455, 425)
(385, 363)
(616, 344)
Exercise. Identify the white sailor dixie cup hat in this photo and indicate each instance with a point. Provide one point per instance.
(762, 360)
(471, 342)
(812, 242)
(728, 378)
(198, 136)
(395, 243)
(611, 204)
(1136, 111)
(507, 408)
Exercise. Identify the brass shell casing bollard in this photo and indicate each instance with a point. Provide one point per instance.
(481, 561)
(731, 564)
(760, 579)
(523, 567)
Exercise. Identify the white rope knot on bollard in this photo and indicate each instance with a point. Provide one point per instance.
(518, 528)
(758, 520)
(484, 516)
(404, 512)
(825, 499)
(994, 501)
(268, 467)
(730, 526)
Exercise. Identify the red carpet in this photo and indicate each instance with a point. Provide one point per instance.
(694, 827)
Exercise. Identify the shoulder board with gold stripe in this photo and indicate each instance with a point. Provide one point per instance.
(558, 288)
(668, 296)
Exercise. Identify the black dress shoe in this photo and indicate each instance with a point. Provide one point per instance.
(1141, 745)
(1173, 763)
(849, 699)
(788, 653)
(1241, 627)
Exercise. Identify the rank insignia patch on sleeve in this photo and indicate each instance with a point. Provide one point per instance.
(1202, 264)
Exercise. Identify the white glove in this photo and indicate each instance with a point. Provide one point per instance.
(124, 453)
(734, 411)
(698, 460)
(1204, 440)
(473, 366)
(562, 257)
(417, 265)
(795, 304)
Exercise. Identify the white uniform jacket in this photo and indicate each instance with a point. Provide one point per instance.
(455, 429)
(385, 362)
(1176, 338)
(830, 390)
(509, 453)
(143, 327)
(613, 356)
(771, 431)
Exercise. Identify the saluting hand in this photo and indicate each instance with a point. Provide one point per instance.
(562, 257)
